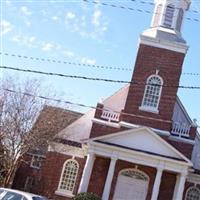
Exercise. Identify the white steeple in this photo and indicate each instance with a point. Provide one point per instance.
(169, 13)
(166, 25)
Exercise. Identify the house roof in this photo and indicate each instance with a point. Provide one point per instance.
(50, 121)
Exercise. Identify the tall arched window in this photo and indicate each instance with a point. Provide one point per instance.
(152, 93)
(68, 176)
(169, 15)
(193, 193)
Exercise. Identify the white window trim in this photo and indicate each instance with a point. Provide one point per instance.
(62, 192)
(190, 189)
(135, 170)
(26, 185)
(149, 108)
(32, 161)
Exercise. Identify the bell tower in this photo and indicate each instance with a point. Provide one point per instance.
(169, 14)
(161, 52)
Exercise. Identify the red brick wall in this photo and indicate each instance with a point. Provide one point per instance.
(167, 186)
(184, 148)
(169, 64)
(98, 176)
(51, 173)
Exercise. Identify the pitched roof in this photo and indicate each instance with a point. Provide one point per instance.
(50, 121)
(80, 129)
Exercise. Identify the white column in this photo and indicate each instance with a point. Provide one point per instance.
(86, 173)
(179, 187)
(106, 191)
(156, 186)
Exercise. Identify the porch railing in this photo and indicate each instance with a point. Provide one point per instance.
(180, 129)
(110, 116)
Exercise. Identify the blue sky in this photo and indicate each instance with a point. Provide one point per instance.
(77, 31)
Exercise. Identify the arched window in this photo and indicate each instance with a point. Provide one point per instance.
(179, 19)
(169, 15)
(152, 93)
(193, 193)
(68, 176)
(135, 174)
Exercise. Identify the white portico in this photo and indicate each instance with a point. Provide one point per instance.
(140, 146)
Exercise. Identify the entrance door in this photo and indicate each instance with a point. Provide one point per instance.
(131, 185)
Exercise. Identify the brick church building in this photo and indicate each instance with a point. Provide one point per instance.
(138, 144)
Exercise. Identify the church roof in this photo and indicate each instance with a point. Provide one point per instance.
(51, 120)
(80, 129)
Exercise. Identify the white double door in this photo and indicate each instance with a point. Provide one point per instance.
(129, 188)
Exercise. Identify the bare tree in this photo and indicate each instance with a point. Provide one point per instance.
(18, 113)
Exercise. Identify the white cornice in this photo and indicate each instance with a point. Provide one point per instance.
(193, 178)
(107, 123)
(164, 44)
(67, 149)
(185, 140)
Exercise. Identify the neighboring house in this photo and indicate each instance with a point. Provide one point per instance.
(50, 121)
(140, 143)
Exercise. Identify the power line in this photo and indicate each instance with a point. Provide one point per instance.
(130, 8)
(94, 79)
(65, 62)
(79, 64)
(80, 105)
(153, 4)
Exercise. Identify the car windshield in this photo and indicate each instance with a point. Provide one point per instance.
(13, 196)
(1, 191)
(39, 198)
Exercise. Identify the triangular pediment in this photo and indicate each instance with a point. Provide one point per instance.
(142, 139)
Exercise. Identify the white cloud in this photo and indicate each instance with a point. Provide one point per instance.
(47, 46)
(89, 61)
(32, 39)
(28, 23)
(16, 38)
(8, 2)
(55, 18)
(5, 27)
(70, 15)
(28, 41)
(25, 11)
(88, 25)
(68, 54)
(96, 18)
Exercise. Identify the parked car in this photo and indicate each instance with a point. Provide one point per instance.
(10, 194)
